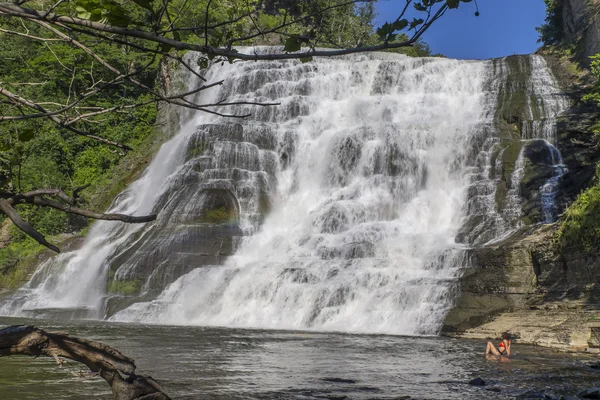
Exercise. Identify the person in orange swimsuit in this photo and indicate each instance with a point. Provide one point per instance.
(503, 347)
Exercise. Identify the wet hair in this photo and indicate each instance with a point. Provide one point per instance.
(506, 335)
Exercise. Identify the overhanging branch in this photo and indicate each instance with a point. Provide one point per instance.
(17, 11)
(115, 368)
(67, 204)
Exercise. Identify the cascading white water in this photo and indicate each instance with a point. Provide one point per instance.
(551, 103)
(529, 100)
(77, 279)
(361, 234)
(370, 166)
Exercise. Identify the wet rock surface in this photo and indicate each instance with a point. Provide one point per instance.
(525, 283)
(526, 286)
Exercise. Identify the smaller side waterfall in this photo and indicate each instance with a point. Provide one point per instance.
(516, 178)
(550, 189)
(551, 102)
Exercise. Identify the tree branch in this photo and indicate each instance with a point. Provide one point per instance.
(16, 11)
(44, 202)
(109, 363)
(12, 214)
(9, 200)
(52, 115)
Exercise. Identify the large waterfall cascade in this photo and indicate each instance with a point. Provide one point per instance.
(349, 205)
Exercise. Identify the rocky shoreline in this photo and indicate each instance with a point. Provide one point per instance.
(546, 294)
(526, 285)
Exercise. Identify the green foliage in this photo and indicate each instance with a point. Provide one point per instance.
(127, 287)
(582, 221)
(581, 225)
(551, 31)
(217, 216)
(594, 94)
(36, 153)
(17, 261)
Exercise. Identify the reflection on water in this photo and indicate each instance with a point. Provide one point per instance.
(220, 363)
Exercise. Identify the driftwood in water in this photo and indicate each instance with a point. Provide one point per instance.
(117, 369)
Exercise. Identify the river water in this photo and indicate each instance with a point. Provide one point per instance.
(347, 203)
(224, 363)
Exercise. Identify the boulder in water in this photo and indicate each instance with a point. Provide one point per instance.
(477, 382)
(592, 393)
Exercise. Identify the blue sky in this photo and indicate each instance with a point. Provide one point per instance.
(504, 27)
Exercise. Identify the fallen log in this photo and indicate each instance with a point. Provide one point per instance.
(115, 368)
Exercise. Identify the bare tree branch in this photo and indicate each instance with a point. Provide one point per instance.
(9, 200)
(52, 115)
(17, 11)
(107, 362)
(12, 214)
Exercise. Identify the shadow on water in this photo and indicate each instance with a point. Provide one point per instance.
(222, 363)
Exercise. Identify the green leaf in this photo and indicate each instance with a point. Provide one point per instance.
(26, 135)
(165, 48)
(384, 30)
(117, 19)
(399, 25)
(83, 13)
(95, 15)
(306, 59)
(4, 146)
(147, 4)
(452, 3)
(420, 7)
(415, 23)
(292, 44)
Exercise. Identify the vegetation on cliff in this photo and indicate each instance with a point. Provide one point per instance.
(551, 32)
(581, 224)
(75, 100)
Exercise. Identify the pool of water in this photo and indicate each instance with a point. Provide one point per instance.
(222, 363)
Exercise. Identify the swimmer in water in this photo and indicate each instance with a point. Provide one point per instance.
(503, 347)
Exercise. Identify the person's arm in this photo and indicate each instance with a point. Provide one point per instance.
(507, 344)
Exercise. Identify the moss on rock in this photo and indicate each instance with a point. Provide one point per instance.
(126, 287)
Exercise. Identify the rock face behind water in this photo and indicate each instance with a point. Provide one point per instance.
(525, 283)
(581, 25)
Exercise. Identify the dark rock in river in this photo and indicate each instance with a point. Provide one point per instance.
(534, 394)
(592, 393)
(477, 382)
(493, 389)
(338, 380)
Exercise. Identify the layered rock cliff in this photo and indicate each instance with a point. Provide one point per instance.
(581, 26)
(544, 293)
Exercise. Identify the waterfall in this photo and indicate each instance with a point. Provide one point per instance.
(542, 125)
(368, 200)
(348, 207)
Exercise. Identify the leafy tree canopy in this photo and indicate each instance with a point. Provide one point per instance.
(78, 79)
